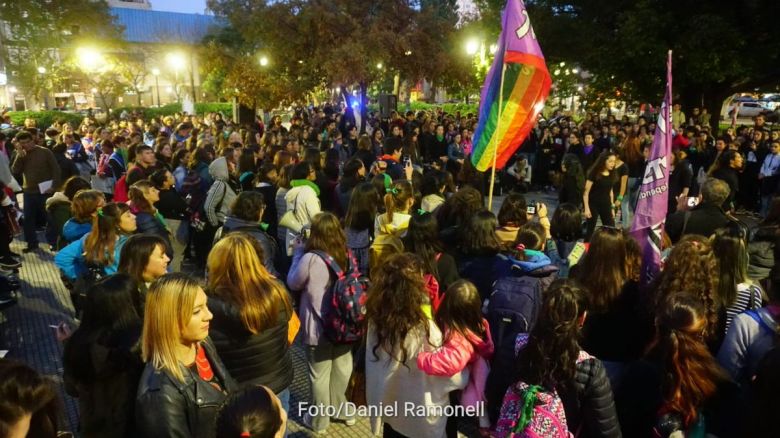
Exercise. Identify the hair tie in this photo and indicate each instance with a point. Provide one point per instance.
(388, 181)
(421, 212)
(100, 211)
(520, 247)
(245, 434)
(392, 190)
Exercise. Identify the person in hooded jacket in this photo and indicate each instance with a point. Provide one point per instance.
(58, 210)
(223, 190)
(303, 197)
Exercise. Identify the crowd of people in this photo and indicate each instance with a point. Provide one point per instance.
(376, 252)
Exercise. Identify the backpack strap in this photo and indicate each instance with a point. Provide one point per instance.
(330, 263)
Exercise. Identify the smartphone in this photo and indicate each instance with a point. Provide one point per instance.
(531, 209)
(693, 201)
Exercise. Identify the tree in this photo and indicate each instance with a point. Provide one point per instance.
(38, 32)
(346, 43)
(719, 47)
(132, 70)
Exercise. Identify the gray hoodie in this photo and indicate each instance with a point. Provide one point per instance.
(749, 337)
(220, 196)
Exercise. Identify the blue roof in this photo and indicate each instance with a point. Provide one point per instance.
(147, 26)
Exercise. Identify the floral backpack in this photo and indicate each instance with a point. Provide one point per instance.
(531, 411)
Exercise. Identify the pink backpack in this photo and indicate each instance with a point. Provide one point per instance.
(530, 411)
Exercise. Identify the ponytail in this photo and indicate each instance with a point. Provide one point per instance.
(99, 243)
(398, 194)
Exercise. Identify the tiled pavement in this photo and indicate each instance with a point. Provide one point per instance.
(25, 330)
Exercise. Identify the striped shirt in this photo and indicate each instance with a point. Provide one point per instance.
(748, 297)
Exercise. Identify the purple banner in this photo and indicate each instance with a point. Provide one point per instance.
(653, 203)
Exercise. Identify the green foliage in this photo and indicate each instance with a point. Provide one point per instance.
(173, 108)
(450, 108)
(215, 107)
(36, 29)
(44, 119)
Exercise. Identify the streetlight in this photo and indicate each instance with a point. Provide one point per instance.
(379, 65)
(176, 60)
(472, 46)
(575, 70)
(42, 70)
(94, 90)
(263, 61)
(156, 73)
(89, 58)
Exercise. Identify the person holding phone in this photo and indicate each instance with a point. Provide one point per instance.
(680, 179)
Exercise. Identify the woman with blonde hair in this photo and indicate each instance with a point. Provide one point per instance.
(252, 315)
(184, 381)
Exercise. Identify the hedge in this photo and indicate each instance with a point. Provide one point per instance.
(173, 108)
(449, 108)
(44, 119)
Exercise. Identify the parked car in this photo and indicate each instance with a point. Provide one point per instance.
(747, 109)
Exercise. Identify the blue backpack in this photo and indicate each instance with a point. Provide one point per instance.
(344, 309)
(513, 308)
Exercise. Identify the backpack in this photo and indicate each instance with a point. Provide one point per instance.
(78, 294)
(344, 312)
(384, 246)
(513, 308)
(120, 190)
(532, 411)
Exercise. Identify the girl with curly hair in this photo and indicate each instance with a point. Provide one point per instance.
(690, 268)
(400, 326)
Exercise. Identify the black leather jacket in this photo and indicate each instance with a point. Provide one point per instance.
(166, 407)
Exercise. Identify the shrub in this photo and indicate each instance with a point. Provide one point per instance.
(44, 119)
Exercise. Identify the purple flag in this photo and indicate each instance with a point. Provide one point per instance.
(653, 203)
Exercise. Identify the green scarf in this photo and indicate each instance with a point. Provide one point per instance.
(305, 182)
(439, 137)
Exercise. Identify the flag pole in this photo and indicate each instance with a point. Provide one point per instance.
(495, 142)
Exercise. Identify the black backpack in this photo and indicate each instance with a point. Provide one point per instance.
(78, 293)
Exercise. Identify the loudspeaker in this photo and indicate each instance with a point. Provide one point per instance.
(387, 103)
(242, 114)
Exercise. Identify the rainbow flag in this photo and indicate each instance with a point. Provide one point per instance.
(526, 86)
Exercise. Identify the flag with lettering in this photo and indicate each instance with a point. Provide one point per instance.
(652, 206)
(526, 84)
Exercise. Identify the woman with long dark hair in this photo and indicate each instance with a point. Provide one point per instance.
(479, 258)
(678, 386)
(29, 402)
(353, 173)
(251, 312)
(101, 364)
(680, 179)
(143, 196)
(618, 327)
(729, 165)
(551, 358)
(330, 365)
(400, 326)
(736, 292)
(598, 197)
(359, 222)
(573, 183)
(422, 239)
(143, 258)
(173, 209)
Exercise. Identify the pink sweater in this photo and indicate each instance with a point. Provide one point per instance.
(458, 353)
